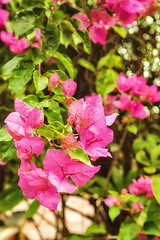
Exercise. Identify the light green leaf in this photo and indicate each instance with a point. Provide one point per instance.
(132, 128)
(23, 22)
(66, 62)
(11, 64)
(79, 154)
(128, 231)
(45, 131)
(7, 150)
(86, 64)
(39, 82)
(4, 135)
(106, 82)
(113, 212)
(142, 158)
(121, 31)
(156, 186)
(31, 100)
(95, 229)
(33, 207)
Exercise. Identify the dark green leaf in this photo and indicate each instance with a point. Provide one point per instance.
(10, 198)
(20, 76)
(37, 55)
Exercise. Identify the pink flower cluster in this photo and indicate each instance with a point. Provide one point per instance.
(127, 11)
(141, 186)
(100, 21)
(132, 90)
(111, 201)
(4, 14)
(143, 236)
(91, 125)
(46, 184)
(17, 45)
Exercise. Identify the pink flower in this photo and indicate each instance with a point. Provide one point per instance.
(137, 109)
(38, 39)
(111, 201)
(151, 93)
(54, 80)
(156, 238)
(109, 107)
(15, 45)
(4, 14)
(4, 1)
(124, 102)
(136, 207)
(141, 186)
(69, 87)
(142, 236)
(60, 166)
(69, 142)
(85, 22)
(91, 124)
(35, 183)
(20, 125)
(2, 163)
(98, 33)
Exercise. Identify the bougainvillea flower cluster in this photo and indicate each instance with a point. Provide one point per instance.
(127, 11)
(132, 92)
(90, 133)
(100, 20)
(4, 14)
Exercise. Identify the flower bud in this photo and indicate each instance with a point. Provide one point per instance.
(54, 80)
(69, 87)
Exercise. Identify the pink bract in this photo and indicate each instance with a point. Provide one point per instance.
(20, 125)
(137, 109)
(69, 87)
(54, 80)
(111, 201)
(60, 166)
(35, 183)
(4, 14)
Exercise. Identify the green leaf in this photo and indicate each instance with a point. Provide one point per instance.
(150, 170)
(151, 228)
(138, 144)
(128, 231)
(132, 128)
(51, 39)
(31, 100)
(121, 31)
(110, 61)
(155, 155)
(106, 82)
(4, 135)
(79, 154)
(37, 55)
(11, 64)
(39, 82)
(20, 76)
(10, 198)
(114, 212)
(142, 158)
(45, 131)
(7, 150)
(33, 207)
(95, 229)
(155, 187)
(86, 64)
(66, 62)
(117, 177)
(23, 22)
